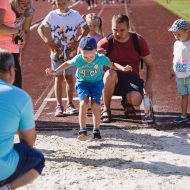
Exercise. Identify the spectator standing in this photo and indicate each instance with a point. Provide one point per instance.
(15, 20)
(20, 163)
(94, 23)
(181, 64)
(64, 23)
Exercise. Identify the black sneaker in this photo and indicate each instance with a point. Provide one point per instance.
(96, 134)
(82, 135)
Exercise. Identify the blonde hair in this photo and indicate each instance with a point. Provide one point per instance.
(92, 17)
(16, 8)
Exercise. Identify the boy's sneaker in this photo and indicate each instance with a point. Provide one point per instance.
(96, 134)
(181, 119)
(59, 111)
(70, 109)
(82, 135)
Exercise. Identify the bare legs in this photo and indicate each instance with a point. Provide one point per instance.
(110, 81)
(83, 113)
(25, 179)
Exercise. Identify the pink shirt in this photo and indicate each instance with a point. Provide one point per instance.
(6, 41)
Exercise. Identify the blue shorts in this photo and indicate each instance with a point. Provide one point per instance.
(70, 71)
(183, 86)
(29, 158)
(88, 89)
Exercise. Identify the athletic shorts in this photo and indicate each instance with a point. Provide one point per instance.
(70, 71)
(128, 83)
(29, 158)
(88, 89)
(183, 85)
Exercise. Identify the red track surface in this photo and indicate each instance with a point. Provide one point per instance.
(148, 19)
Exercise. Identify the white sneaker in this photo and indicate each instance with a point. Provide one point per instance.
(59, 111)
(71, 110)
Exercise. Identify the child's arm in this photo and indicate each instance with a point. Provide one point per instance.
(62, 67)
(117, 66)
(48, 41)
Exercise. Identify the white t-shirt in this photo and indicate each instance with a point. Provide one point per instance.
(64, 26)
(181, 59)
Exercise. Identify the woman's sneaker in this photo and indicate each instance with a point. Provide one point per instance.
(59, 111)
(181, 119)
(96, 134)
(82, 135)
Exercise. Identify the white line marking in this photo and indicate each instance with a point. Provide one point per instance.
(44, 92)
(101, 10)
(76, 98)
(39, 111)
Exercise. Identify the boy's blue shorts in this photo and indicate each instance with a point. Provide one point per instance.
(29, 158)
(89, 89)
(183, 85)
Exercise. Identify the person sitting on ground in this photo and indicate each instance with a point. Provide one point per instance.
(129, 85)
(89, 81)
(20, 164)
(181, 64)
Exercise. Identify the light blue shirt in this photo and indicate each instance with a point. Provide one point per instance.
(16, 113)
(89, 72)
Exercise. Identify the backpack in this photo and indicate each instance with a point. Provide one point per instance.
(135, 43)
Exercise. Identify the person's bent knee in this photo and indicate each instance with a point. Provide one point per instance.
(110, 74)
(40, 162)
(134, 98)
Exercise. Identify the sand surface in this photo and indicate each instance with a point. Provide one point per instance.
(143, 159)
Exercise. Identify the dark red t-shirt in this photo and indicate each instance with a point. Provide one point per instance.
(125, 53)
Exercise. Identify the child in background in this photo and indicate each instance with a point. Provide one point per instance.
(181, 64)
(94, 23)
(64, 23)
(89, 82)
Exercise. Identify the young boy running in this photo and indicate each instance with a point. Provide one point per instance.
(181, 64)
(89, 81)
(64, 23)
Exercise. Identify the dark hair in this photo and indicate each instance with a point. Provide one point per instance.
(120, 18)
(6, 61)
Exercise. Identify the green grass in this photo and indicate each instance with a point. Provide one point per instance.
(178, 7)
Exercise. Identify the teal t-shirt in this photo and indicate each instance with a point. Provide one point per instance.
(16, 113)
(90, 72)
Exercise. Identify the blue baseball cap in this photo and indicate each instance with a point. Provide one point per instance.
(88, 43)
(178, 25)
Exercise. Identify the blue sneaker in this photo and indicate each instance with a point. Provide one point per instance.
(188, 121)
(180, 119)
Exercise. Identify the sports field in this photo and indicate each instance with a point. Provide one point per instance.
(178, 7)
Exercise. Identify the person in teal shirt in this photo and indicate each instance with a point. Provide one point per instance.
(89, 81)
(20, 163)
